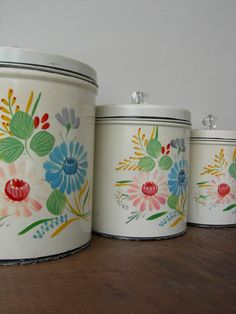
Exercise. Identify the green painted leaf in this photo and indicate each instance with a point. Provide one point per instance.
(1, 218)
(56, 202)
(134, 216)
(34, 224)
(153, 148)
(158, 215)
(124, 181)
(232, 170)
(172, 201)
(165, 162)
(42, 143)
(229, 207)
(22, 125)
(86, 197)
(203, 182)
(146, 164)
(10, 149)
(36, 104)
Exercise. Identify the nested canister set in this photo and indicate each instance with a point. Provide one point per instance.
(147, 177)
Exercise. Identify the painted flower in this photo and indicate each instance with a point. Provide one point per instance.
(179, 144)
(221, 190)
(43, 121)
(148, 191)
(178, 178)
(67, 167)
(19, 190)
(8, 108)
(68, 119)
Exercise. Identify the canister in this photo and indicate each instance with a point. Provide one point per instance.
(46, 155)
(212, 184)
(141, 170)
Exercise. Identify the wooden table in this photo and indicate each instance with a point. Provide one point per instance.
(195, 273)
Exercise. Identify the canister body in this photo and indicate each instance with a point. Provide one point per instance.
(46, 164)
(212, 189)
(141, 179)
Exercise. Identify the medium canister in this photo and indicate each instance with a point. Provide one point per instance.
(212, 197)
(141, 171)
(46, 155)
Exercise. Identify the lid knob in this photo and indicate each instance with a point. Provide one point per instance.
(209, 122)
(139, 98)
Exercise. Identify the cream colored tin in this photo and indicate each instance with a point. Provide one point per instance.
(212, 194)
(141, 171)
(46, 155)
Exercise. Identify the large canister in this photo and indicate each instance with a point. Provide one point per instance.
(141, 170)
(212, 188)
(46, 155)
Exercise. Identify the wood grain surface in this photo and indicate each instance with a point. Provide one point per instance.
(195, 273)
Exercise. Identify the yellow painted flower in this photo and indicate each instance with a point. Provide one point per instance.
(8, 108)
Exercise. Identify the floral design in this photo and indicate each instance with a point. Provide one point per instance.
(8, 109)
(57, 204)
(219, 166)
(153, 188)
(68, 119)
(19, 129)
(43, 121)
(66, 171)
(220, 188)
(178, 178)
(148, 191)
(22, 192)
(18, 197)
(67, 167)
(179, 144)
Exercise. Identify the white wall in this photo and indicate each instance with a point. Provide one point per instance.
(182, 52)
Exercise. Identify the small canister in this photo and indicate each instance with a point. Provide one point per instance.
(46, 155)
(141, 170)
(212, 185)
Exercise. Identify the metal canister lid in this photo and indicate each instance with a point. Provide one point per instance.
(12, 57)
(138, 110)
(211, 134)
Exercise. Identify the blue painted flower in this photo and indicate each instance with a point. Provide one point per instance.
(67, 167)
(178, 178)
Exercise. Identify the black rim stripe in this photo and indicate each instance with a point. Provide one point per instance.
(49, 69)
(212, 139)
(165, 119)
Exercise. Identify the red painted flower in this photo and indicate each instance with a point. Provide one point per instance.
(19, 190)
(165, 149)
(222, 190)
(148, 191)
(43, 121)
(149, 188)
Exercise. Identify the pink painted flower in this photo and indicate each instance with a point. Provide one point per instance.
(148, 191)
(19, 190)
(222, 190)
